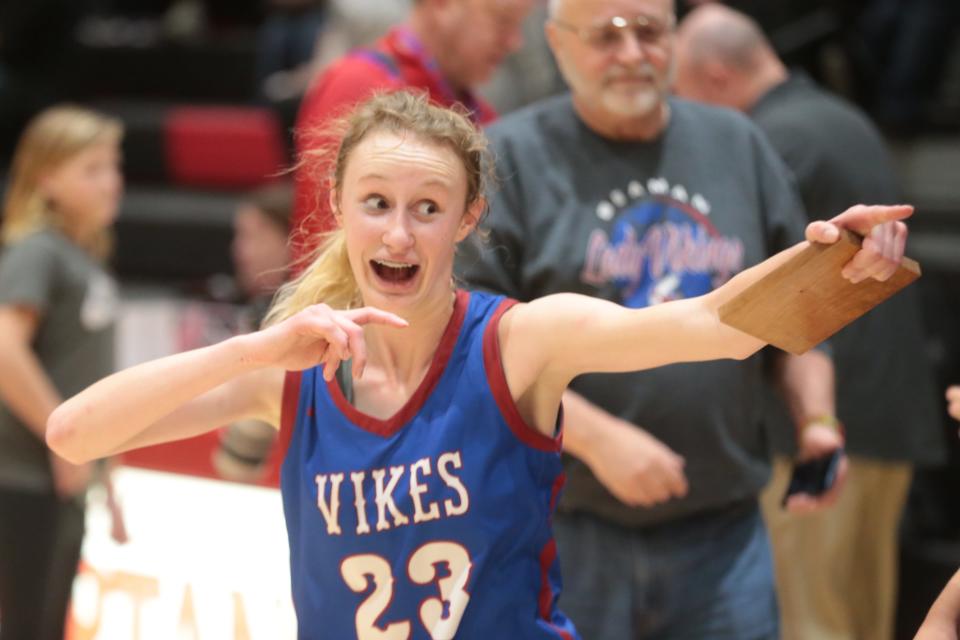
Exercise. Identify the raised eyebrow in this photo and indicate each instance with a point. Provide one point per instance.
(372, 176)
(439, 182)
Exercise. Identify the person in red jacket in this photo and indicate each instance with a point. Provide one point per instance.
(445, 47)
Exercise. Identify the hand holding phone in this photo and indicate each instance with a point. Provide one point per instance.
(815, 477)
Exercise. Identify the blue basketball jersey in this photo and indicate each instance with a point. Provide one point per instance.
(433, 524)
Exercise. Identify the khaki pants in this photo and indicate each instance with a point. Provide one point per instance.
(837, 569)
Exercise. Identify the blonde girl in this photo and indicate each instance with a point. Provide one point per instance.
(57, 306)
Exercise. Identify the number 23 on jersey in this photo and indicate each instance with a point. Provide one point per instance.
(422, 569)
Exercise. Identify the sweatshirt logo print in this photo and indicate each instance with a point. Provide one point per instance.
(660, 248)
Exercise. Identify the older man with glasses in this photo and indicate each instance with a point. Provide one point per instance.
(620, 191)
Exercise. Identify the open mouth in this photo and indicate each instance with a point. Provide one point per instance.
(397, 272)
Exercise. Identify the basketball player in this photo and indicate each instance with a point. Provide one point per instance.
(420, 481)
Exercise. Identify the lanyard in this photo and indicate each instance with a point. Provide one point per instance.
(412, 46)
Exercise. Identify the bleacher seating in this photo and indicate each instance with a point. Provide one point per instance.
(195, 140)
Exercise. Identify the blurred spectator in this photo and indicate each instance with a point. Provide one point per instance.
(261, 256)
(260, 248)
(797, 29)
(57, 313)
(356, 23)
(446, 47)
(528, 74)
(836, 570)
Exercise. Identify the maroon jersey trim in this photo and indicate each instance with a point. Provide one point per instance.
(497, 380)
(289, 402)
(391, 425)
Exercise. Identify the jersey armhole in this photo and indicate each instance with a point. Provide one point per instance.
(497, 379)
(289, 403)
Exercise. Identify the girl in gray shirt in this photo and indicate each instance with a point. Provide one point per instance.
(57, 308)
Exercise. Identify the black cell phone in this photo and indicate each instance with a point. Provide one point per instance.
(815, 477)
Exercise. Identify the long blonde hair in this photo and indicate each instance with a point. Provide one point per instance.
(329, 278)
(51, 138)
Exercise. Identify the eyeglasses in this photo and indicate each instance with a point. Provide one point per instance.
(609, 36)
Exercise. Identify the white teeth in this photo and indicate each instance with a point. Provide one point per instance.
(394, 265)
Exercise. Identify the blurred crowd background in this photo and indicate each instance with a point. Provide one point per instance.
(208, 91)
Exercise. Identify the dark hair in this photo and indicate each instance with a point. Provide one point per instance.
(275, 201)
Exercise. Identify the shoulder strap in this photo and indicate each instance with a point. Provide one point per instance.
(288, 410)
(382, 59)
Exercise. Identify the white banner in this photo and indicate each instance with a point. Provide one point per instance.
(206, 560)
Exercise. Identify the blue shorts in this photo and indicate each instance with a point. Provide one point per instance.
(706, 577)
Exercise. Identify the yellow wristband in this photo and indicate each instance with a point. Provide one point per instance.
(826, 420)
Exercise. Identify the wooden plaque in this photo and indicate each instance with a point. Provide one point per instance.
(806, 300)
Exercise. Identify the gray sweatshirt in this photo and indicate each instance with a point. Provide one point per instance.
(639, 224)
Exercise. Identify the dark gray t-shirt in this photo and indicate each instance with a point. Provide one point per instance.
(77, 303)
(638, 224)
(885, 391)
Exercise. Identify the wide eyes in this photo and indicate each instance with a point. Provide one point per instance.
(376, 202)
(379, 203)
(426, 207)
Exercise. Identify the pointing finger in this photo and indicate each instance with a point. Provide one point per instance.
(862, 218)
(356, 344)
(367, 315)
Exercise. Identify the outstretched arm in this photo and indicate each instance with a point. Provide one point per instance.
(559, 337)
(167, 399)
(196, 391)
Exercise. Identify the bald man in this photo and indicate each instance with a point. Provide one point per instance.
(836, 570)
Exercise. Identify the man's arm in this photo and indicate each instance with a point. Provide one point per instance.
(635, 467)
(807, 385)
